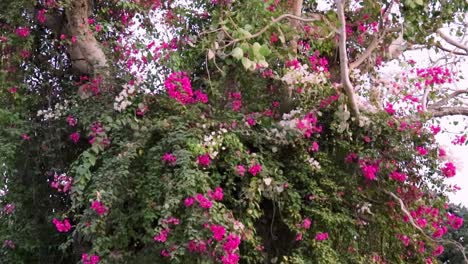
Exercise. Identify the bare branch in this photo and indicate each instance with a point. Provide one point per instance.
(344, 68)
(448, 111)
(451, 51)
(375, 42)
(444, 101)
(452, 41)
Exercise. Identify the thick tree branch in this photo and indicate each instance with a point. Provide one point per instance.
(455, 52)
(344, 68)
(452, 41)
(448, 111)
(86, 47)
(444, 101)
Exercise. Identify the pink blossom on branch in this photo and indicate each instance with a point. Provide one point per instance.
(449, 170)
(99, 208)
(62, 226)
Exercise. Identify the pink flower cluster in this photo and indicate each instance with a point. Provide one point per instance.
(169, 159)
(163, 234)
(459, 140)
(9, 244)
(203, 201)
(62, 182)
(398, 176)
(318, 64)
(404, 239)
(9, 208)
(204, 160)
(72, 121)
(369, 170)
(449, 170)
(196, 246)
(236, 101)
(321, 236)
(89, 259)
(99, 208)
(22, 32)
(454, 221)
(98, 132)
(62, 226)
(75, 137)
(179, 87)
(255, 169)
(435, 75)
(308, 125)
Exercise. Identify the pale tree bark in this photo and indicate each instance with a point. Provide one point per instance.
(86, 53)
(296, 10)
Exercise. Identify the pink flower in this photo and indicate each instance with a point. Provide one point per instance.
(435, 129)
(459, 140)
(169, 158)
(449, 170)
(93, 259)
(438, 250)
(22, 32)
(398, 176)
(218, 232)
(9, 208)
(404, 239)
(25, 137)
(421, 222)
(422, 151)
(13, 90)
(217, 195)
(439, 232)
(232, 258)
(9, 244)
(442, 153)
(72, 121)
(369, 170)
(62, 226)
(98, 28)
(75, 137)
(255, 169)
(203, 201)
(232, 243)
(306, 223)
(240, 170)
(98, 207)
(314, 147)
(351, 158)
(204, 160)
(41, 17)
(194, 246)
(298, 237)
(162, 236)
(200, 97)
(321, 236)
(189, 201)
(389, 109)
(251, 121)
(62, 182)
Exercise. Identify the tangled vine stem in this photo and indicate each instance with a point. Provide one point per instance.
(313, 18)
(411, 220)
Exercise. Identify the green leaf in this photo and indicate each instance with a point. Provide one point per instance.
(247, 63)
(264, 50)
(237, 53)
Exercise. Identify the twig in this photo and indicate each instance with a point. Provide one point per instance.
(407, 213)
(452, 41)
